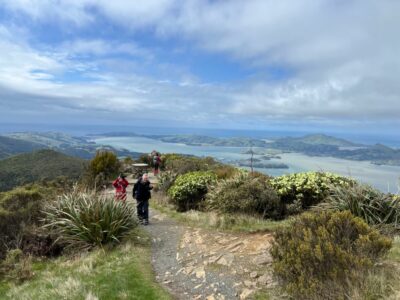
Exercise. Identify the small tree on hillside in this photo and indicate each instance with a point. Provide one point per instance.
(103, 167)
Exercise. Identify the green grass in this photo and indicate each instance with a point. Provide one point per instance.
(123, 272)
(212, 220)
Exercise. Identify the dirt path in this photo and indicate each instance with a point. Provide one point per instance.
(195, 263)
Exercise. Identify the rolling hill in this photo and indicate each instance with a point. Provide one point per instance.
(39, 165)
(23, 142)
(10, 146)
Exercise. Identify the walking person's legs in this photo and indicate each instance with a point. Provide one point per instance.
(146, 212)
(139, 209)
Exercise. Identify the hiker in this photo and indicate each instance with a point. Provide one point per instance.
(120, 184)
(141, 191)
(156, 163)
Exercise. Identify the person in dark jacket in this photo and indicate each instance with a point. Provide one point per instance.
(142, 193)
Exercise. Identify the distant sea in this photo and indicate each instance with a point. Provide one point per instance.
(385, 178)
(392, 140)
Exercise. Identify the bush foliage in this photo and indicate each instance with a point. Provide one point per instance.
(322, 255)
(16, 266)
(245, 194)
(190, 189)
(299, 191)
(102, 168)
(20, 208)
(83, 220)
(375, 207)
(182, 164)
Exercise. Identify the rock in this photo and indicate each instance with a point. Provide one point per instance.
(167, 281)
(263, 259)
(233, 246)
(216, 297)
(197, 286)
(249, 283)
(253, 274)
(245, 294)
(214, 258)
(200, 273)
(226, 260)
(188, 270)
(265, 279)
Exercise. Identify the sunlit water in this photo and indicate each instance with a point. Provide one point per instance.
(385, 178)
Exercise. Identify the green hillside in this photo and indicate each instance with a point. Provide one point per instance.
(322, 139)
(10, 146)
(39, 165)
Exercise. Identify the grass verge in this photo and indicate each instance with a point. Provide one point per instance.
(123, 272)
(212, 220)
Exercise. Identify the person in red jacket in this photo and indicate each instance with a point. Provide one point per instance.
(120, 184)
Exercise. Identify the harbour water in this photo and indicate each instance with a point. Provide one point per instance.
(385, 178)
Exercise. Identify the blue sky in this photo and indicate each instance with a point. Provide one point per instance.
(256, 64)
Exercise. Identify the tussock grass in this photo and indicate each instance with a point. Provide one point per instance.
(122, 272)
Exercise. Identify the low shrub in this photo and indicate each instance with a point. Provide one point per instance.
(322, 255)
(16, 266)
(224, 171)
(39, 242)
(375, 207)
(182, 164)
(245, 194)
(83, 220)
(165, 180)
(299, 191)
(20, 208)
(190, 189)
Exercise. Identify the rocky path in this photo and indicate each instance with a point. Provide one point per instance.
(195, 263)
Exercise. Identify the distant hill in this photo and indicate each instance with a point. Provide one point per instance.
(323, 139)
(10, 146)
(39, 165)
(201, 140)
(61, 142)
(317, 139)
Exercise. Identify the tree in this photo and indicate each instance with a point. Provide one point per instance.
(103, 167)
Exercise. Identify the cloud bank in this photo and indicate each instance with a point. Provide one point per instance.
(326, 62)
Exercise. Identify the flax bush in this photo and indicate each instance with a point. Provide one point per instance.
(85, 219)
(322, 255)
(376, 208)
(190, 189)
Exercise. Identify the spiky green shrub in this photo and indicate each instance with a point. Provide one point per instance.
(375, 207)
(299, 191)
(190, 189)
(321, 255)
(245, 194)
(86, 219)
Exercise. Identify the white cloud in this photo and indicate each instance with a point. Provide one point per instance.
(343, 57)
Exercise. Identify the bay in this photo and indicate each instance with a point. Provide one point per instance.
(385, 178)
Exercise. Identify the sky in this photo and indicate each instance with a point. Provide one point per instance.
(318, 65)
